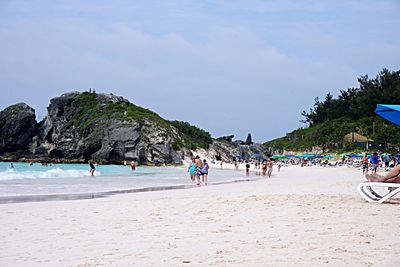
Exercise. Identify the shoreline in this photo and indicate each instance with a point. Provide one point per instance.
(105, 194)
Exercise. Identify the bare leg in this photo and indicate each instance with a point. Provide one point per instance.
(378, 178)
(393, 180)
(393, 173)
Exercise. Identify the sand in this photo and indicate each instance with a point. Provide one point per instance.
(300, 217)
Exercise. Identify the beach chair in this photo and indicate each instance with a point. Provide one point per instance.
(366, 190)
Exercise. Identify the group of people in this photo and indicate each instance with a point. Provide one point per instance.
(198, 170)
(376, 161)
(266, 166)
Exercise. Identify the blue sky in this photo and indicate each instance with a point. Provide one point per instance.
(230, 67)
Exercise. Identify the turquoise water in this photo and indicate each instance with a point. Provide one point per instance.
(35, 171)
(25, 180)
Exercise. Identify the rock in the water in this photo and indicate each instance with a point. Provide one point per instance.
(17, 128)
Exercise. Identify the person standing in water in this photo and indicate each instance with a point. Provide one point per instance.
(204, 171)
(92, 167)
(270, 166)
(133, 165)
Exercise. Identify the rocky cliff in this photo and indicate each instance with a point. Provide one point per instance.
(17, 128)
(81, 126)
(225, 149)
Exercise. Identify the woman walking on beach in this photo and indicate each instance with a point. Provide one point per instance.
(204, 171)
(365, 161)
(256, 167)
(92, 167)
(199, 165)
(270, 167)
(247, 168)
(192, 170)
(264, 167)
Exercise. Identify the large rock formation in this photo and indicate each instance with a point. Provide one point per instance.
(249, 140)
(82, 126)
(17, 128)
(105, 127)
(226, 150)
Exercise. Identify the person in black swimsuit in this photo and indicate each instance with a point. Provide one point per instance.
(92, 167)
(247, 168)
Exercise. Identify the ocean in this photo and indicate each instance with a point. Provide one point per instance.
(25, 180)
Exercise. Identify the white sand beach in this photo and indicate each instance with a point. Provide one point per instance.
(300, 217)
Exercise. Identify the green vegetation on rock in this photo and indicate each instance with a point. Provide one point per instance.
(193, 137)
(96, 108)
(352, 111)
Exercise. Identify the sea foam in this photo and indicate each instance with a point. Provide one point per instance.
(11, 174)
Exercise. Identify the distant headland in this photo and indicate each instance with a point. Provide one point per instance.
(348, 122)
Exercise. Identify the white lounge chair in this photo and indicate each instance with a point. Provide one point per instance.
(366, 190)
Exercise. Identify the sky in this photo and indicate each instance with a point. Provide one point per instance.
(227, 66)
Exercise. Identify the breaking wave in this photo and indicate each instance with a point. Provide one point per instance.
(53, 173)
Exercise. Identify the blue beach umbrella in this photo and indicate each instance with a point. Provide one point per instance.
(389, 112)
(308, 156)
(353, 155)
